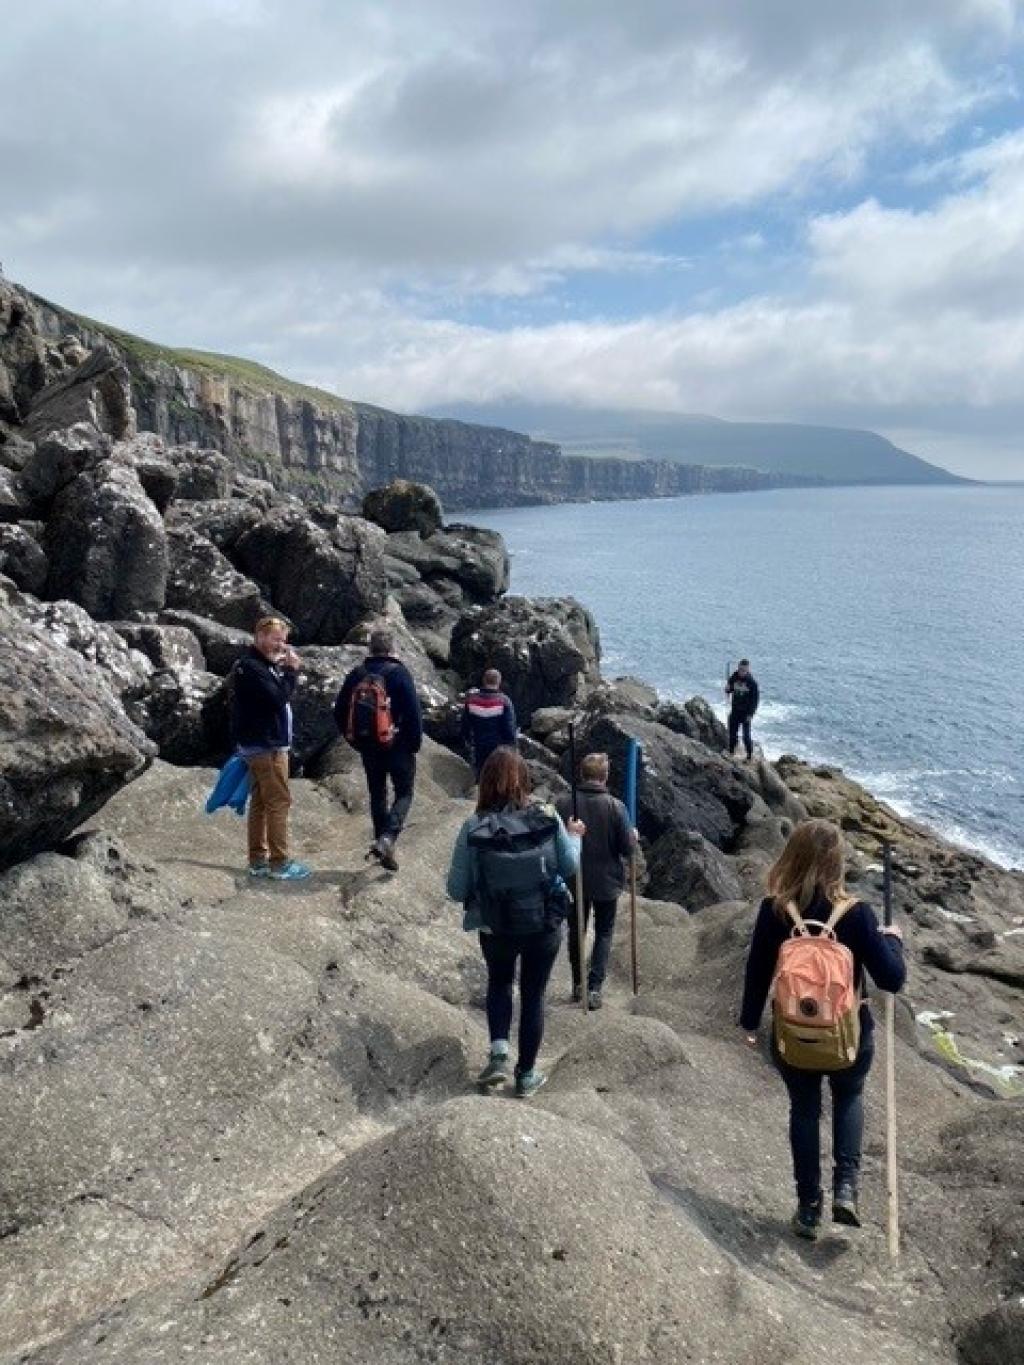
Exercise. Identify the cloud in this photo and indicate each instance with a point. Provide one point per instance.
(347, 191)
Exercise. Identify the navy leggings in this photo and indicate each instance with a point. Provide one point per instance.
(536, 955)
(847, 1121)
(736, 724)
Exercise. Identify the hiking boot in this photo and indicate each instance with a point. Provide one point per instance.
(291, 871)
(373, 851)
(844, 1205)
(807, 1220)
(386, 853)
(495, 1073)
(593, 1000)
(577, 995)
(529, 1082)
(260, 868)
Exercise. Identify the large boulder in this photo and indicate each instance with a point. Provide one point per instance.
(98, 391)
(324, 578)
(65, 743)
(202, 474)
(683, 867)
(148, 456)
(22, 354)
(165, 646)
(469, 558)
(13, 505)
(696, 720)
(59, 458)
(404, 506)
(547, 650)
(175, 714)
(106, 544)
(23, 559)
(201, 580)
(684, 786)
(223, 521)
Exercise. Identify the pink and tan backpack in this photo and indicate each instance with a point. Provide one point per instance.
(815, 1002)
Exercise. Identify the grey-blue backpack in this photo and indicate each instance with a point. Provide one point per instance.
(517, 886)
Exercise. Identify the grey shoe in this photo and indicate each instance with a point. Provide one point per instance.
(593, 1000)
(844, 1205)
(529, 1082)
(495, 1073)
(386, 852)
(260, 869)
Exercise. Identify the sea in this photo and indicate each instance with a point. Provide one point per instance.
(885, 626)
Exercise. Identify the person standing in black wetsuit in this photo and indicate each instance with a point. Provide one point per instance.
(742, 688)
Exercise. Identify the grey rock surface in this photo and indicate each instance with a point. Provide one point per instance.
(96, 391)
(682, 866)
(22, 558)
(221, 645)
(59, 458)
(106, 544)
(203, 581)
(404, 506)
(65, 743)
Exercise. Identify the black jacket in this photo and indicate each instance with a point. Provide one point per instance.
(405, 704)
(607, 842)
(745, 695)
(261, 694)
(881, 954)
(488, 721)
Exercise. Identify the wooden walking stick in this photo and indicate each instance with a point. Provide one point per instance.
(633, 759)
(892, 1173)
(581, 933)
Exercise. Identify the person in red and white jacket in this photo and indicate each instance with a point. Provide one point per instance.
(488, 719)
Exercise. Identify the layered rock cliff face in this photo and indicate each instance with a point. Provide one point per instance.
(311, 442)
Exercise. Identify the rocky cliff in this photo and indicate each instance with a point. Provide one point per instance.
(316, 444)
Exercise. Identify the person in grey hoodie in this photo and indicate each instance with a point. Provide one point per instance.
(607, 845)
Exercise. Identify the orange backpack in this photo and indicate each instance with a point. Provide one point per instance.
(815, 1002)
(369, 721)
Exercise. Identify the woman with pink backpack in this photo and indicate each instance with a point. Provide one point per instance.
(811, 946)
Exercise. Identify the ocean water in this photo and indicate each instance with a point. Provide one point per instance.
(884, 625)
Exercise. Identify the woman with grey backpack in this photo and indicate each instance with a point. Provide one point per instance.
(510, 865)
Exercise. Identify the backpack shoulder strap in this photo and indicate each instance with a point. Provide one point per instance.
(794, 914)
(838, 911)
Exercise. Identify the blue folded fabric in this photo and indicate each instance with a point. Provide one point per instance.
(231, 788)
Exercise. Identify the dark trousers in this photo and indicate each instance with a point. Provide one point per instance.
(847, 1121)
(604, 928)
(536, 955)
(736, 724)
(400, 767)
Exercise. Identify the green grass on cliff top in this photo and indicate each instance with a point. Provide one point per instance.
(244, 373)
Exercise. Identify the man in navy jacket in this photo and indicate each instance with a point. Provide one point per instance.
(263, 683)
(488, 719)
(396, 759)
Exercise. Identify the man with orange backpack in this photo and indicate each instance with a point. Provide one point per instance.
(378, 712)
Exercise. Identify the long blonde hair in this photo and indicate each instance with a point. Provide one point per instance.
(812, 862)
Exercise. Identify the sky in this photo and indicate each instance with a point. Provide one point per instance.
(786, 210)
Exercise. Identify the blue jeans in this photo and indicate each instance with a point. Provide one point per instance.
(847, 1121)
(400, 767)
(536, 955)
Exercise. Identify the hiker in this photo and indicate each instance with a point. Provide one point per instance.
(488, 719)
(263, 683)
(806, 885)
(378, 712)
(609, 842)
(509, 868)
(743, 689)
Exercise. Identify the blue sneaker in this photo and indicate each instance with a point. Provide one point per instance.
(496, 1072)
(260, 869)
(529, 1082)
(291, 871)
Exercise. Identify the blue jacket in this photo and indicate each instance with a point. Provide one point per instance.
(880, 954)
(488, 722)
(462, 872)
(261, 713)
(405, 704)
(231, 788)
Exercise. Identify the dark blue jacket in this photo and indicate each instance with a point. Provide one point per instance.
(405, 704)
(260, 702)
(745, 694)
(880, 954)
(488, 722)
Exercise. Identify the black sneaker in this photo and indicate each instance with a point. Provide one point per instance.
(844, 1206)
(577, 995)
(807, 1220)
